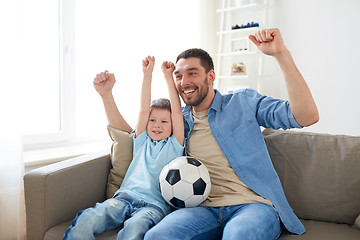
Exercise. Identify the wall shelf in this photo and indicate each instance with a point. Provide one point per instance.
(233, 77)
(241, 30)
(235, 49)
(238, 53)
(243, 7)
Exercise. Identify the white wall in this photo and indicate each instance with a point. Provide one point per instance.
(324, 39)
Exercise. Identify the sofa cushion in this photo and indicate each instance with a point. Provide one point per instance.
(316, 230)
(58, 231)
(319, 173)
(121, 156)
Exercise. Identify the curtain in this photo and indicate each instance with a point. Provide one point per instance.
(12, 206)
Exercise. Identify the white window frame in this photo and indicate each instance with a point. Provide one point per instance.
(67, 83)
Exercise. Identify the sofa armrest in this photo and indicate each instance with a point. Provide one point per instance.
(55, 193)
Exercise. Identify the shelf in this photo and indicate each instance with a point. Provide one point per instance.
(241, 30)
(235, 46)
(233, 77)
(239, 53)
(247, 6)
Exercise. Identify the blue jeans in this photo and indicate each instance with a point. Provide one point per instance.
(247, 221)
(133, 215)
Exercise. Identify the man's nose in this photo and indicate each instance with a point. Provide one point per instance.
(184, 81)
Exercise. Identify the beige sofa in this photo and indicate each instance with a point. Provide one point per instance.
(320, 174)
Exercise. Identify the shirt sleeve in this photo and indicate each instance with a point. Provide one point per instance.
(271, 112)
(178, 148)
(139, 140)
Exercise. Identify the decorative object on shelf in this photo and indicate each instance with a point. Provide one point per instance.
(238, 68)
(240, 44)
(248, 25)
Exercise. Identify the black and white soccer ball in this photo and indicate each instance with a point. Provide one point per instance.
(185, 182)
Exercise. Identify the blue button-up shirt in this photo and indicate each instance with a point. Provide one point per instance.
(235, 121)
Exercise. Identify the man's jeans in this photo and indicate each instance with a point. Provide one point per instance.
(135, 216)
(247, 221)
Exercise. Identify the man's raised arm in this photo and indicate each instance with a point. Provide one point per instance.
(269, 41)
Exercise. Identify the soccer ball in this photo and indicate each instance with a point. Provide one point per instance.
(185, 182)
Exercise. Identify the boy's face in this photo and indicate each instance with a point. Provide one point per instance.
(159, 125)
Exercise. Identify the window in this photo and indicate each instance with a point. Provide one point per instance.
(65, 43)
(46, 76)
(40, 75)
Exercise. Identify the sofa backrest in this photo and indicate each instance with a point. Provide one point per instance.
(320, 173)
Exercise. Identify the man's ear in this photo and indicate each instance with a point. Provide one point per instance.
(211, 76)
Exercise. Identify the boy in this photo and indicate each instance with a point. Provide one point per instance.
(159, 138)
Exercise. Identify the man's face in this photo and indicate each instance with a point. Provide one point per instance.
(192, 81)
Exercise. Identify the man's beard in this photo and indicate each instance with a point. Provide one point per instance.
(200, 98)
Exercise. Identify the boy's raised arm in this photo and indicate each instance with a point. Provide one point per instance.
(176, 113)
(103, 83)
(145, 97)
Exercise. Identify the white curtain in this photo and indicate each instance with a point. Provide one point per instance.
(12, 207)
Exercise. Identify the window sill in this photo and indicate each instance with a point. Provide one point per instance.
(55, 154)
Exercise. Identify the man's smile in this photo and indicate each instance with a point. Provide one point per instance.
(189, 91)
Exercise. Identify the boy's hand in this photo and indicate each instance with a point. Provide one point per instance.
(148, 64)
(104, 82)
(167, 69)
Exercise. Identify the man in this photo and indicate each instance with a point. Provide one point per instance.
(223, 131)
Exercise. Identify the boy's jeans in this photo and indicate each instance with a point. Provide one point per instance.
(135, 216)
(247, 221)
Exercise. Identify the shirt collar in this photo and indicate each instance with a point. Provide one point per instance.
(216, 104)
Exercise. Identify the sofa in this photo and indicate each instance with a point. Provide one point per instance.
(320, 174)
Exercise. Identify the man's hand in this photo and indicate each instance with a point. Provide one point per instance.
(269, 41)
(167, 69)
(104, 82)
(148, 65)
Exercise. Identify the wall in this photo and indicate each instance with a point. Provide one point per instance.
(323, 38)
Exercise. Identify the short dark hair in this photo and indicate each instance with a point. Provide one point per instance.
(161, 103)
(205, 59)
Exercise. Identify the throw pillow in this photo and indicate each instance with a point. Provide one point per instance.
(121, 156)
(319, 173)
(357, 222)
